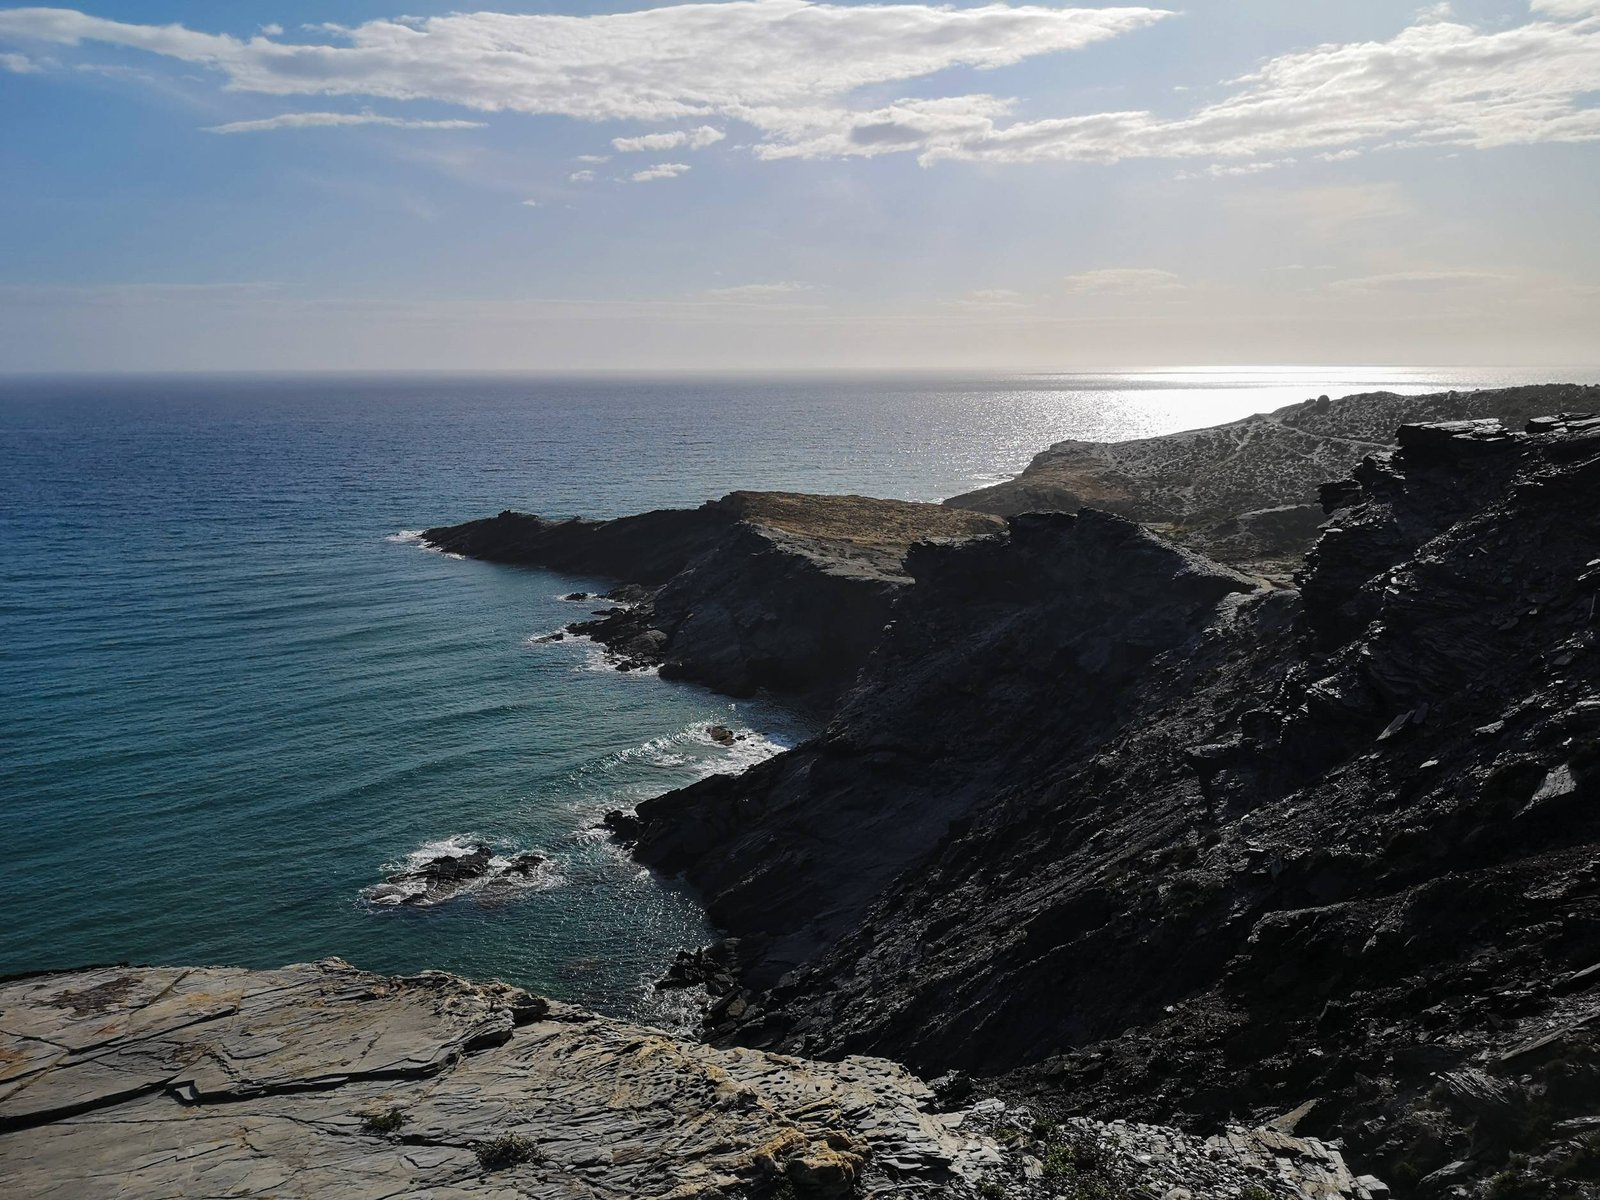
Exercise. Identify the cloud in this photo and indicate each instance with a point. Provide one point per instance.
(681, 60)
(660, 171)
(531, 204)
(316, 120)
(18, 64)
(1123, 281)
(995, 300)
(791, 69)
(759, 292)
(786, 66)
(693, 139)
(594, 158)
(581, 177)
(1419, 281)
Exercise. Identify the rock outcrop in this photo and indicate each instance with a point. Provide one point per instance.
(1162, 847)
(758, 590)
(1245, 492)
(320, 1080)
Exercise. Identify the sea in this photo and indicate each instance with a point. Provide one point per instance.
(236, 691)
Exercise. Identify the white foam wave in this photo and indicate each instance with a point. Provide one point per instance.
(413, 537)
(598, 659)
(498, 883)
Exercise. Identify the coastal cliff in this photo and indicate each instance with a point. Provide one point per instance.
(759, 590)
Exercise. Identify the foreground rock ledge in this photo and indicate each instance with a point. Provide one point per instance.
(319, 1079)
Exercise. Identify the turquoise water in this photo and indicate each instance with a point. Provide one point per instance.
(233, 692)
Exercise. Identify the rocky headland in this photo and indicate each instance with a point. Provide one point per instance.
(758, 590)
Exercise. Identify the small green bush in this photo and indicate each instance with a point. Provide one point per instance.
(1045, 1131)
(384, 1123)
(508, 1150)
(992, 1189)
(1254, 1191)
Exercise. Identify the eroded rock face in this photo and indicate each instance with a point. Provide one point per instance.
(1246, 492)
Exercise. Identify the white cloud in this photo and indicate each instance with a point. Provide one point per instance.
(531, 204)
(790, 67)
(581, 177)
(18, 64)
(660, 171)
(693, 139)
(273, 30)
(681, 60)
(594, 158)
(1419, 281)
(991, 300)
(759, 291)
(1123, 281)
(318, 120)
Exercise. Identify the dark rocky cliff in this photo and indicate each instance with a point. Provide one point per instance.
(1148, 841)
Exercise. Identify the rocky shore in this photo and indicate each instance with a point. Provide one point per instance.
(321, 1080)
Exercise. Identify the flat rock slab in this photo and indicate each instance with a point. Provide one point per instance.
(147, 1082)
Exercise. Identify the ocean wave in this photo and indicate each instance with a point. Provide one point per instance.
(506, 873)
(413, 537)
(598, 659)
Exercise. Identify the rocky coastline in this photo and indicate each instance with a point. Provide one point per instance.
(1134, 834)
(1175, 872)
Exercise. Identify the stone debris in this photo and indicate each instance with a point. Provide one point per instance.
(1080, 1156)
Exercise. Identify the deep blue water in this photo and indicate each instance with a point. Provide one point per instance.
(231, 691)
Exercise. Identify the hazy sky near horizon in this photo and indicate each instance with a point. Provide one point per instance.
(784, 183)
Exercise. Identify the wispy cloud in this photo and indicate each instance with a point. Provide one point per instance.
(1123, 281)
(1420, 281)
(322, 120)
(759, 292)
(18, 64)
(691, 139)
(660, 171)
(584, 176)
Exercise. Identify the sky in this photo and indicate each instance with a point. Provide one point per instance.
(786, 184)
